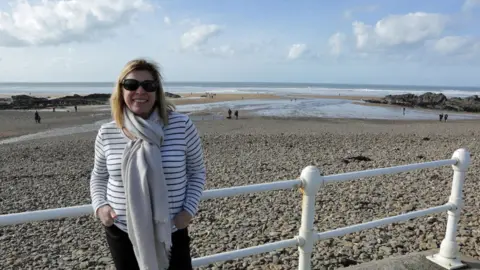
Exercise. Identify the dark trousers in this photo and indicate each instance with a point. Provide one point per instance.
(124, 257)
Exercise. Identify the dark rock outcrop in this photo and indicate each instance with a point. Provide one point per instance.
(23, 102)
(171, 95)
(432, 101)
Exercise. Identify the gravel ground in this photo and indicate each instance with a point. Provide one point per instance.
(54, 172)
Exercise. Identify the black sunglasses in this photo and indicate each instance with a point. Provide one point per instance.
(133, 85)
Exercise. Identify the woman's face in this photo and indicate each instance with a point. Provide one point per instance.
(139, 92)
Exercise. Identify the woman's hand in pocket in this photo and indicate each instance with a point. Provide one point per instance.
(106, 215)
(182, 220)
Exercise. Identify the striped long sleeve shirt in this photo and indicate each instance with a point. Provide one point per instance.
(182, 162)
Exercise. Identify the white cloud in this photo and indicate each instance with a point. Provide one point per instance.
(296, 51)
(470, 4)
(363, 34)
(56, 22)
(410, 37)
(199, 35)
(167, 20)
(408, 29)
(455, 45)
(450, 44)
(336, 43)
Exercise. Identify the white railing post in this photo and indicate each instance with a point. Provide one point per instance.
(447, 257)
(311, 182)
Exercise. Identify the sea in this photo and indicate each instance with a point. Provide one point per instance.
(303, 107)
(245, 87)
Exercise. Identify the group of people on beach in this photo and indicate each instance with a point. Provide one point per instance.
(210, 95)
(38, 118)
(441, 116)
(230, 114)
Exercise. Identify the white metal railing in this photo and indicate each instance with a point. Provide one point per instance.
(311, 180)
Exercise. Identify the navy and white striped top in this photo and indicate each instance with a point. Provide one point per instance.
(183, 166)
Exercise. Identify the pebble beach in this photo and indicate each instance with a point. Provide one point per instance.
(54, 172)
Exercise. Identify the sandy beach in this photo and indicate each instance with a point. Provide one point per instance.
(196, 98)
(54, 172)
(17, 123)
(20, 122)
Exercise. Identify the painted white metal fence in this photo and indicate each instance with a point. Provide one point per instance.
(311, 180)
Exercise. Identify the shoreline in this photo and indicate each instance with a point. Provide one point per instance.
(357, 100)
(17, 123)
(196, 98)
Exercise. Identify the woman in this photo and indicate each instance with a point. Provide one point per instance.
(148, 174)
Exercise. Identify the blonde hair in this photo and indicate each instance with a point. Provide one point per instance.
(117, 102)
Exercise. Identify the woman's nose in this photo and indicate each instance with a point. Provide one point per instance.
(141, 90)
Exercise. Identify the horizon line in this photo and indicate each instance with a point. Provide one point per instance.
(246, 82)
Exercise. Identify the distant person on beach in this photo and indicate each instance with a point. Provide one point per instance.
(229, 114)
(37, 117)
(440, 116)
(145, 208)
(403, 110)
(445, 117)
(75, 108)
(236, 114)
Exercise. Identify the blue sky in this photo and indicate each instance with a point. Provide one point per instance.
(376, 42)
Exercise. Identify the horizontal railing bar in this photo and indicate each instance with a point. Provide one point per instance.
(389, 170)
(235, 254)
(81, 210)
(232, 191)
(74, 211)
(40, 215)
(384, 221)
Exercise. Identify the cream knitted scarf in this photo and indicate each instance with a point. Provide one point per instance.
(148, 218)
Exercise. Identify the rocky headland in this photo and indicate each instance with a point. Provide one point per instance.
(431, 101)
(25, 102)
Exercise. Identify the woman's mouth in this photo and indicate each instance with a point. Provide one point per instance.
(140, 100)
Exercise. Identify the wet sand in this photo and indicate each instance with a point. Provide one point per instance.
(336, 97)
(17, 123)
(21, 122)
(196, 98)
